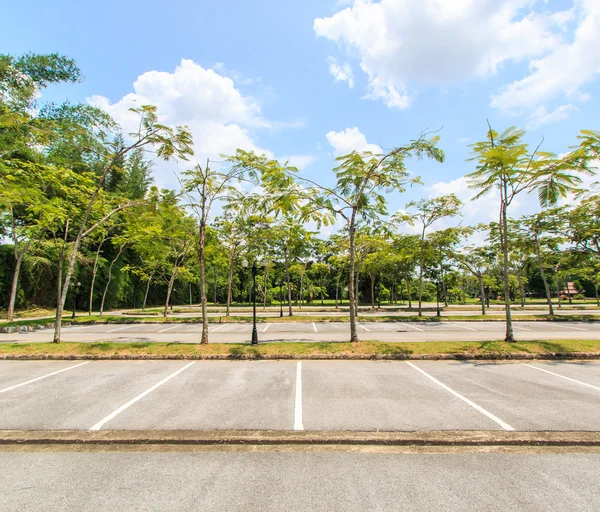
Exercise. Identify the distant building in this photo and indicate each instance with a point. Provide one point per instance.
(569, 290)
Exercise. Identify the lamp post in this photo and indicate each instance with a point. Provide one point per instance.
(75, 289)
(262, 263)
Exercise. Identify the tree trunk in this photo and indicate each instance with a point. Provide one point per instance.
(597, 296)
(265, 281)
(337, 286)
(351, 292)
(543, 274)
(230, 279)
(110, 278)
(287, 277)
(94, 273)
(481, 293)
(356, 292)
(521, 288)
(372, 276)
(170, 289)
(13, 289)
(147, 290)
(568, 292)
(504, 236)
(444, 291)
(420, 282)
(202, 258)
(215, 284)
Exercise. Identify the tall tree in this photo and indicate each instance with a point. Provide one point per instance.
(505, 164)
(428, 211)
(362, 178)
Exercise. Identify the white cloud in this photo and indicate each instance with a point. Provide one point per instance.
(220, 118)
(341, 73)
(561, 72)
(540, 116)
(348, 140)
(401, 44)
(299, 161)
(484, 209)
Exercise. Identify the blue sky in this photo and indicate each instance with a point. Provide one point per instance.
(280, 76)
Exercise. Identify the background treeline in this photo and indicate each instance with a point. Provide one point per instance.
(81, 222)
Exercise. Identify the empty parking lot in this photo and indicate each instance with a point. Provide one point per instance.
(316, 331)
(311, 395)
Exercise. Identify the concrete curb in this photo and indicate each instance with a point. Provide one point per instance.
(551, 356)
(285, 437)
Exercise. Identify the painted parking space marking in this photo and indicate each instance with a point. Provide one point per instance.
(518, 327)
(42, 377)
(503, 424)
(266, 327)
(574, 328)
(314, 327)
(361, 325)
(412, 327)
(69, 329)
(462, 327)
(217, 328)
(562, 376)
(118, 411)
(123, 328)
(170, 328)
(298, 401)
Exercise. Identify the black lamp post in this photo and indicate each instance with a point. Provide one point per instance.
(254, 272)
(75, 290)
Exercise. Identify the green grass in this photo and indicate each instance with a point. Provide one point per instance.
(341, 350)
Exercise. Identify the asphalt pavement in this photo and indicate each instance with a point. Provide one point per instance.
(298, 481)
(294, 395)
(314, 331)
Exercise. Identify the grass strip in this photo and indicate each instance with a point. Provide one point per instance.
(316, 350)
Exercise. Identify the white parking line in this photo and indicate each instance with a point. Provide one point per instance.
(69, 329)
(518, 327)
(314, 327)
(562, 376)
(412, 327)
(504, 425)
(170, 328)
(42, 377)
(461, 326)
(298, 403)
(123, 328)
(265, 329)
(217, 328)
(574, 328)
(101, 423)
(361, 325)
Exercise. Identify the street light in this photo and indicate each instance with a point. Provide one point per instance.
(75, 289)
(262, 264)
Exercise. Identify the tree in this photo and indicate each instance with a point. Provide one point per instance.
(505, 164)
(361, 180)
(169, 143)
(428, 212)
